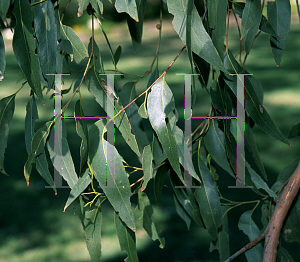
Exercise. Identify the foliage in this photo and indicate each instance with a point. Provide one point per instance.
(43, 45)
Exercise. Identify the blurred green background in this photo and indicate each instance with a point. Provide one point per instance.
(33, 226)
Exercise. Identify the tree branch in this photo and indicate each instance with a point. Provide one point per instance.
(272, 232)
(286, 199)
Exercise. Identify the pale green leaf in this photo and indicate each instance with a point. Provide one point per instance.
(127, 6)
(78, 188)
(126, 239)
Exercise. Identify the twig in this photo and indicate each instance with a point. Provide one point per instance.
(248, 246)
(285, 201)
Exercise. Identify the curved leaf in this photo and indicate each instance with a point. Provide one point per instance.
(146, 218)
(24, 45)
(126, 239)
(248, 226)
(160, 104)
(200, 41)
(127, 6)
(208, 200)
(7, 108)
(119, 195)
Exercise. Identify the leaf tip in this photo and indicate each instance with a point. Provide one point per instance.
(137, 20)
(79, 14)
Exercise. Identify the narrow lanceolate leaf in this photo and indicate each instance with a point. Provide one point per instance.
(2, 57)
(4, 5)
(159, 182)
(208, 199)
(146, 218)
(7, 108)
(136, 27)
(127, 6)
(218, 34)
(78, 48)
(41, 160)
(24, 45)
(67, 170)
(279, 15)
(253, 104)
(182, 213)
(126, 239)
(81, 128)
(127, 94)
(253, 13)
(147, 165)
(46, 34)
(119, 193)
(79, 187)
(200, 41)
(186, 198)
(97, 89)
(222, 243)
(37, 148)
(295, 131)
(160, 104)
(93, 226)
(248, 226)
(215, 143)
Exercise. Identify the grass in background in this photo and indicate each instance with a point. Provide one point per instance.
(33, 225)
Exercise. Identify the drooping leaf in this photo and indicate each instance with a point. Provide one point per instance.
(218, 34)
(284, 255)
(222, 242)
(127, 6)
(136, 27)
(81, 128)
(147, 165)
(159, 182)
(78, 188)
(253, 105)
(97, 89)
(127, 94)
(146, 218)
(119, 194)
(160, 104)
(117, 54)
(250, 22)
(295, 131)
(248, 226)
(24, 45)
(259, 182)
(187, 199)
(7, 108)
(2, 57)
(98, 7)
(200, 41)
(4, 5)
(215, 143)
(79, 50)
(279, 16)
(208, 200)
(82, 5)
(46, 34)
(37, 148)
(126, 239)
(182, 213)
(67, 170)
(41, 160)
(93, 226)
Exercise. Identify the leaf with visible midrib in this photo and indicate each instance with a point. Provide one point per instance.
(24, 45)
